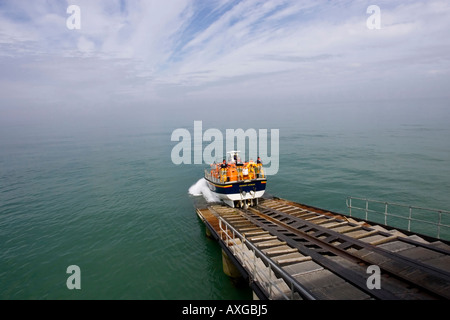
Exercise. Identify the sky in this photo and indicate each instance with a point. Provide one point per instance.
(144, 57)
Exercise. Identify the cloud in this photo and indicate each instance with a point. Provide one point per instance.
(155, 52)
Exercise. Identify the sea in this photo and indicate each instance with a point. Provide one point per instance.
(107, 197)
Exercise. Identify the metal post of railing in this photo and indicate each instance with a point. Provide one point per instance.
(254, 264)
(226, 234)
(242, 249)
(439, 225)
(350, 202)
(409, 218)
(234, 241)
(385, 213)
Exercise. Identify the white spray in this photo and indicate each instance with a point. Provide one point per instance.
(200, 188)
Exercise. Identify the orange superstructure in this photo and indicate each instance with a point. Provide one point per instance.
(237, 172)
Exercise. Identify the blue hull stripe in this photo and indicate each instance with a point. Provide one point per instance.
(237, 187)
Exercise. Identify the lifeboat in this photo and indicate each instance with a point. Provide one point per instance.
(238, 184)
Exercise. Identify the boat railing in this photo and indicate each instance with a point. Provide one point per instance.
(431, 222)
(258, 173)
(271, 277)
(259, 170)
(210, 177)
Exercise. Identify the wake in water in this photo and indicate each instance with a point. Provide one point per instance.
(200, 188)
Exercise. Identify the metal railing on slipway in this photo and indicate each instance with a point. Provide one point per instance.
(266, 274)
(431, 222)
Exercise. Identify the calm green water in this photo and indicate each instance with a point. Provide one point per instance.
(109, 199)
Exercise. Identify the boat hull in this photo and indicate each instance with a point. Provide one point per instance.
(238, 190)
